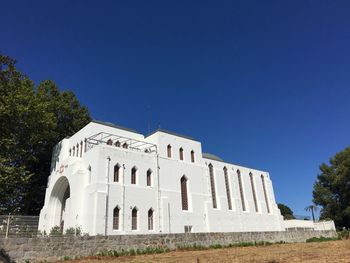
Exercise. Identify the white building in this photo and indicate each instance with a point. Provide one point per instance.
(111, 180)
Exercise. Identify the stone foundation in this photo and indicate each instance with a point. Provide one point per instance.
(55, 248)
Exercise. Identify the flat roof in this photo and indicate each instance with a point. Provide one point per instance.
(212, 157)
(172, 133)
(115, 126)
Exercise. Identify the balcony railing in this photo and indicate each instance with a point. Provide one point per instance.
(103, 138)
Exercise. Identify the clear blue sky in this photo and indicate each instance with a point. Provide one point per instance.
(261, 83)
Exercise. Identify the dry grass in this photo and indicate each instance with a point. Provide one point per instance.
(327, 252)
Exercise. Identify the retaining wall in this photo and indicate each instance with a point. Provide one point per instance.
(55, 248)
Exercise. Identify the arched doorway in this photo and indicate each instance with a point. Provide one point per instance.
(60, 197)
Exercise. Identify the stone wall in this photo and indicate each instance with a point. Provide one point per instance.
(55, 248)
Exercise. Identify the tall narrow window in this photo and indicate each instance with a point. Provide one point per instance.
(228, 192)
(253, 191)
(77, 149)
(109, 142)
(116, 173)
(150, 219)
(184, 198)
(70, 152)
(212, 185)
(134, 219)
(265, 193)
(73, 150)
(116, 218)
(89, 168)
(133, 175)
(192, 156)
(181, 153)
(85, 145)
(81, 148)
(149, 177)
(169, 151)
(241, 190)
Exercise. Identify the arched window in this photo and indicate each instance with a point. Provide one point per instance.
(116, 172)
(192, 156)
(134, 213)
(73, 150)
(77, 150)
(241, 189)
(212, 185)
(85, 145)
(117, 143)
(81, 148)
(253, 191)
(228, 192)
(169, 151)
(116, 218)
(181, 153)
(184, 197)
(149, 177)
(133, 175)
(125, 145)
(109, 142)
(150, 219)
(265, 193)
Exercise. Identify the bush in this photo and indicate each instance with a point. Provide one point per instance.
(56, 231)
(344, 234)
(321, 239)
(73, 231)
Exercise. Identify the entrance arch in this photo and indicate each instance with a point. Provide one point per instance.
(59, 197)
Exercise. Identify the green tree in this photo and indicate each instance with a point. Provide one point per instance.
(32, 121)
(332, 189)
(68, 117)
(21, 116)
(286, 212)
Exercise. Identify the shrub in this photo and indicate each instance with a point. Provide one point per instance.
(344, 234)
(73, 231)
(55, 231)
(321, 239)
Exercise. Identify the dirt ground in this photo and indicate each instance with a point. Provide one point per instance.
(328, 252)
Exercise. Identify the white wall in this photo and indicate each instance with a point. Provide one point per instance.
(92, 191)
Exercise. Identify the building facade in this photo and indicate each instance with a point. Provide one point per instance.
(111, 180)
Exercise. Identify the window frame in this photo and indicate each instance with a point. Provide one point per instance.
(184, 193)
(116, 219)
(133, 175)
(181, 154)
(134, 219)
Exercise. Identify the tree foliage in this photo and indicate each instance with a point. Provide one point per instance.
(332, 189)
(286, 212)
(32, 120)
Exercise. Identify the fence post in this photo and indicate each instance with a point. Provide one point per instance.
(7, 226)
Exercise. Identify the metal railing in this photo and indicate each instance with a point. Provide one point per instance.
(18, 226)
(119, 141)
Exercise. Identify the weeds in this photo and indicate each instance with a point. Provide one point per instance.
(218, 246)
(132, 252)
(321, 239)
